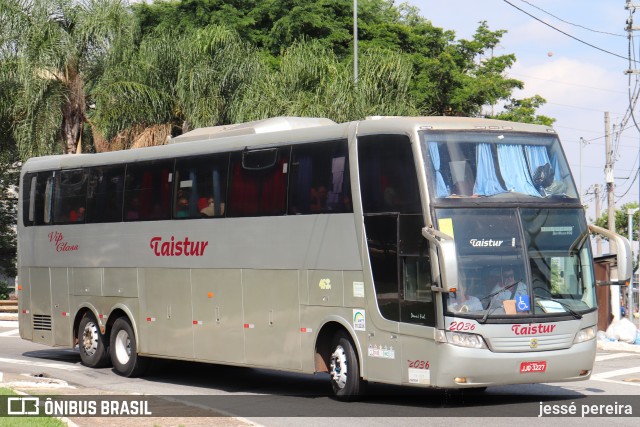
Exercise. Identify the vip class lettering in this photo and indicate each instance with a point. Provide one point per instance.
(61, 245)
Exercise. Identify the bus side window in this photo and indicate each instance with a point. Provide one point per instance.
(388, 177)
(148, 191)
(70, 196)
(40, 198)
(258, 182)
(319, 179)
(28, 190)
(201, 186)
(104, 194)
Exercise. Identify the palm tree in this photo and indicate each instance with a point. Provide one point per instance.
(312, 81)
(171, 83)
(52, 51)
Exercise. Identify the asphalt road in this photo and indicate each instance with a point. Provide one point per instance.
(244, 396)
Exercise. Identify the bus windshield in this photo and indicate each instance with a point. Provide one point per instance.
(496, 164)
(519, 262)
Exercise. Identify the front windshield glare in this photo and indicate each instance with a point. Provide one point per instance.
(541, 269)
(486, 164)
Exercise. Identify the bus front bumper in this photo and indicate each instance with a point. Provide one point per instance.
(467, 368)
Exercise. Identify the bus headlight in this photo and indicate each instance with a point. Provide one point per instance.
(465, 340)
(585, 334)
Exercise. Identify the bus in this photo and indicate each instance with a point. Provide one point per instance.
(421, 251)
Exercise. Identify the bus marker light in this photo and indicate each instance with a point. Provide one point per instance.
(100, 316)
(460, 380)
(583, 373)
(249, 326)
(19, 287)
(65, 314)
(210, 295)
(25, 311)
(306, 330)
(151, 319)
(197, 322)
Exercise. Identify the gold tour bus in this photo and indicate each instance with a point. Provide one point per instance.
(426, 251)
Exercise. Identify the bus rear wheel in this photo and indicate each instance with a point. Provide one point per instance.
(344, 369)
(92, 344)
(124, 350)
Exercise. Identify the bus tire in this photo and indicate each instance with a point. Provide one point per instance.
(124, 350)
(92, 344)
(344, 369)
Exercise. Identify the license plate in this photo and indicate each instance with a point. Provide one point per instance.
(526, 367)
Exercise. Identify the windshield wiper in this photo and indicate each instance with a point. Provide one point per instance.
(562, 303)
(565, 306)
(493, 294)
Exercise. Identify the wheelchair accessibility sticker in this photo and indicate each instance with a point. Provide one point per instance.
(522, 303)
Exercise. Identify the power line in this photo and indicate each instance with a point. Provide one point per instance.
(571, 23)
(566, 34)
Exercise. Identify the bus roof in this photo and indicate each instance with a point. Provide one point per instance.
(274, 131)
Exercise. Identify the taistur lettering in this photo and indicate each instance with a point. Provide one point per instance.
(480, 243)
(532, 329)
(175, 247)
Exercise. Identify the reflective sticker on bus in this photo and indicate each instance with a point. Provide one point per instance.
(197, 322)
(358, 289)
(419, 376)
(446, 226)
(66, 314)
(25, 311)
(359, 321)
(249, 326)
(325, 284)
(151, 319)
(306, 330)
(381, 352)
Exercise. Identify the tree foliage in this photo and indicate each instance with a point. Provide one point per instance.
(452, 77)
(524, 110)
(51, 50)
(9, 173)
(621, 219)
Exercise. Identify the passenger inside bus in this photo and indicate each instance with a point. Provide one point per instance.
(134, 209)
(318, 199)
(182, 208)
(207, 207)
(461, 301)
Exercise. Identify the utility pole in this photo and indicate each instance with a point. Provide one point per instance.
(355, 41)
(630, 213)
(611, 208)
(598, 238)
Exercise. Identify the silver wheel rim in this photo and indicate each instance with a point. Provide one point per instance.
(339, 367)
(123, 347)
(90, 337)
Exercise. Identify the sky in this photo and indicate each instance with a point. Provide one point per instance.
(580, 79)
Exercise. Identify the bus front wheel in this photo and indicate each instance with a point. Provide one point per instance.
(124, 350)
(344, 369)
(92, 344)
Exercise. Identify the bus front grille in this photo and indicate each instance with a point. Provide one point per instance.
(41, 322)
(531, 343)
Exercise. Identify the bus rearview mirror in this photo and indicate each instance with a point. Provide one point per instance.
(447, 259)
(621, 273)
